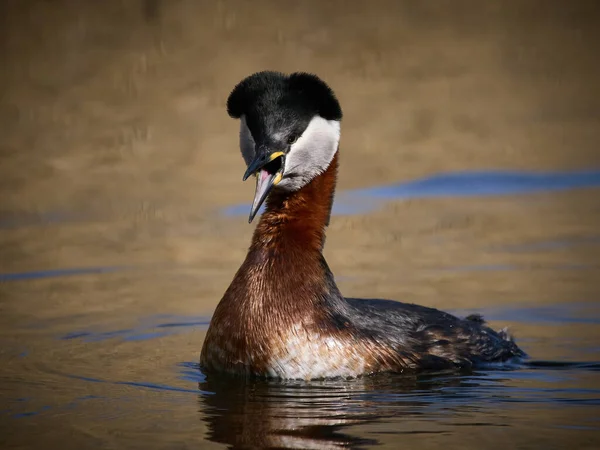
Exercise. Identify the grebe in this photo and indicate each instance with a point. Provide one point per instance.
(283, 315)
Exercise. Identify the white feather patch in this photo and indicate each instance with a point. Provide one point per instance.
(311, 154)
(308, 157)
(307, 355)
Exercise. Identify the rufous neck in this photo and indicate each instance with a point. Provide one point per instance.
(298, 218)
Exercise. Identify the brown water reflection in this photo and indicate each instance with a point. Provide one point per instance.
(117, 162)
(385, 410)
(294, 415)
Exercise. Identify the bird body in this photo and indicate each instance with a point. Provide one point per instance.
(283, 315)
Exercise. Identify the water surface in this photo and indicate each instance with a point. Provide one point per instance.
(468, 182)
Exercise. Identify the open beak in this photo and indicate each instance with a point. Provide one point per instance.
(268, 169)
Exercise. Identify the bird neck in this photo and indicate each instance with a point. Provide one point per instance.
(298, 219)
(284, 282)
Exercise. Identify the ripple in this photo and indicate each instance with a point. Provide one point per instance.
(151, 327)
(19, 276)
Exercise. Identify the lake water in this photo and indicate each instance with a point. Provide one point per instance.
(134, 378)
(469, 181)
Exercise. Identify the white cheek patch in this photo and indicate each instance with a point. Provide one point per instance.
(246, 142)
(311, 154)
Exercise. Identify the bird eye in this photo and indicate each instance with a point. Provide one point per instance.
(293, 138)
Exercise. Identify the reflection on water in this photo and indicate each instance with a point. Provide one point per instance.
(147, 328)
(57, 273)
(459, 184)
(259, 414)
(562, 313)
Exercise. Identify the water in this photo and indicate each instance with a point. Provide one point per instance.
(459, 184)
(469, 181)
(546, 401)
(128, 377)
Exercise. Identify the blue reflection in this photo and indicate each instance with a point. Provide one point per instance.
(16, 276)
(561, 313)
(151, 327)
(456, 184)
